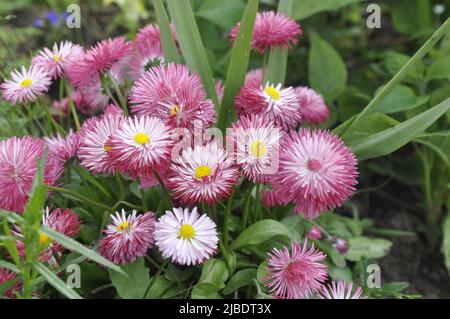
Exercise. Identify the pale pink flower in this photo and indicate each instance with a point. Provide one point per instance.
(188, 238)
(312, 106)
(63, 148)
(202, 174)
(272, 30)
(60, 108)
(295, 274)
(25, 85)
(57, 60)
(128, 237)
(148, 39)
(341, 245)
(314, 233)
(340, 290)
(7, 276)
(90, 99)
(219, 90)
(256, 74)
(142, 62)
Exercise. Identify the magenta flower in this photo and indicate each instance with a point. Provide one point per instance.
(148, 39)
(312, 106)
(128, 237)
(295, 274)
(63, 148)
(272, 30)
(7, 275)
(341, 290)
(314, 233)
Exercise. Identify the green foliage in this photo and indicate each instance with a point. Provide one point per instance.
(134, 284)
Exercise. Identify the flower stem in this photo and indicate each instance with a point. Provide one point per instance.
(152, 282)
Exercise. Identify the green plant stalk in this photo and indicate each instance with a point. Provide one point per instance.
(122, 100)
(246, 208)
(164, 188)
(398, 77)
(167, 42)
(152, 282)
(79, 196)
(226, 221)
(72, 108)
(225, 255)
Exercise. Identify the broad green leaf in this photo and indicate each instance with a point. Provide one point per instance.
(259, 232)
(133, 285)
(159, 287)
(351, 102)
(240, 279)
(439, 69)
(176, 274)
(326, 71)
(340, 273)
(214, 271)
(191, 45)
(237, 68)
(446, 239)
(390, 140)
(205, 291)
(305, 8)
(57, 283)
(336, 257)
(72, 244)
(395, 61)
(167, 40)
(262, 273)
(394, 287)
(225, 14)
(401, 98)
(369, 248)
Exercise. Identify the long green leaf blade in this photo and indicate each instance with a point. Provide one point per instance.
(191, 44)
(389, 140)
(237, 69)
(57, 283)
(167, 41)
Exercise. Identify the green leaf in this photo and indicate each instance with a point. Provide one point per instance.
(390, 140)
(225, 14)
(205, 291)
(34, 208)
(401, 98)
(191, 44)
(72, 244)
(259, 232)
(8, 265)
(338, 273)
(326, 71)
(167, 40)
(305, 8)
(57, 283)
(276, 67)
(262, 273)
(214, 271)
(395, 61)
(159, 287)
(240, 279)
(439, 69)
(237, 69)
(336, 257)
(369, 248)
(446, 239)
(133, 285)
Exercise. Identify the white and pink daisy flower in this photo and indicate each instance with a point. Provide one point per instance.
(295, 274)
(57, 60)
(173, 94)
(128, 237)
(317, 172)
(277, 104)
(202, 174)
(7, 276)
(312, 106)
(63, 148)
(142, 62)
(188, 238)
(272, 30)
(340, 290)
(26, 85)
(90, 99)
(148, 39)
(140, 144)
(257, 147)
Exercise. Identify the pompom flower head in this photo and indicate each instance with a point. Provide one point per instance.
(63, 148)
(272, 102)
(340, 290)
(317, 172)
(18, 166)
(57, 60)
(188, 238)
(312, 106)
(148, 38)
(295, 274)
(128, 237)
(257, 151)
(26, 85)
(272, 30)
(173, 94)
(202, 174)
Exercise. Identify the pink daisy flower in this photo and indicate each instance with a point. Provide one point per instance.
(148, 39)
(25, 85)
(188, 238)
(63, 148)
(95, 143)
(340, 290)
(312, 106)
(142, 62)
(90, 99)
(295, 274)
(7, 275)
(18, 166)
(202, 174)
(174, 95)
(272, 30)
(60, 108)
(256, 74)
(271, 102)
(257, 147)
(219, 90)
(314, 233)
(128, 237)
(317, 172)
(57, 60)
(99, 59)
(140, 144)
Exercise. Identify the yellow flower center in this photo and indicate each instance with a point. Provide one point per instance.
(25, 83)
(43, 238)
(257, 148)
(107, 147)
(187, 232)
(141, 138)
(123, 226)
(202, 171)
(56, 58)
(272, 92)
(174, 110)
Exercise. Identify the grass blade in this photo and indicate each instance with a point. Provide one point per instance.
(191, 44)
(57, 283)
(167, 41)
(237, 69)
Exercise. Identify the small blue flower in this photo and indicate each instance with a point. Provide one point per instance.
(38, 23)
(52, 17)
